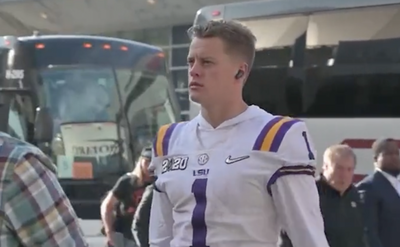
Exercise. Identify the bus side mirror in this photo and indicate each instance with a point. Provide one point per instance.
(43, 125)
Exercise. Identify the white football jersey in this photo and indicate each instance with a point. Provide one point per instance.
(236, 185)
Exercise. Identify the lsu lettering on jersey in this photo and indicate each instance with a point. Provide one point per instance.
(229, 186)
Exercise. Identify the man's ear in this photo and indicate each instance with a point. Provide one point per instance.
(242, 72)
(325, 167)
(245, 68)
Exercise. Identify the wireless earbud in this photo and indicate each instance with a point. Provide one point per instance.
(239, 74)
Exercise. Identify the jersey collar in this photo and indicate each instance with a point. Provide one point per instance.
(250, 112)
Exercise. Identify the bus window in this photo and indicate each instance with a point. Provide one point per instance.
(273, 83)
(273, 90)
(339, 70)
(369, 95)
(81, 94)
(17, 119)
(353, 70)
(148, 104)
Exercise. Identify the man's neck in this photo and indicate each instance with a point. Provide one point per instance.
(217, 114)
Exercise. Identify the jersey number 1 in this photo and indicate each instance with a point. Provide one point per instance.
(199, 226)
(199, 187)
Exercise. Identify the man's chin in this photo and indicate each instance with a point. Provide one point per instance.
(195, 98)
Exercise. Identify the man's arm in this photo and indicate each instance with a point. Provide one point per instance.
(142, 218)
(37, 208)
(293, 187)
(370, 211)
(117, 193)
(297, 203)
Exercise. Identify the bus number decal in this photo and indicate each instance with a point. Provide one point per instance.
(15, 74)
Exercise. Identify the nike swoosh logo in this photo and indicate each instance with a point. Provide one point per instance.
(231, 160)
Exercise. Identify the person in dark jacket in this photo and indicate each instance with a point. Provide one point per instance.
(381, 195)
(141, 221)
(339, 200)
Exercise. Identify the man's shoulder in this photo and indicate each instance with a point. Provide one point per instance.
(288, 138)
(127, 179)
(278, 128)
(368, 184)
(167, 135)
(13, 151)
(169, 129)
(367, 181)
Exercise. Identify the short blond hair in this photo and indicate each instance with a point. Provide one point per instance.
(339, 151)
(237, 38)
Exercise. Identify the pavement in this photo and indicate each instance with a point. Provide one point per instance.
(91, 230)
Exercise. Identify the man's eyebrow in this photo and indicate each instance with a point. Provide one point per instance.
(200, 57)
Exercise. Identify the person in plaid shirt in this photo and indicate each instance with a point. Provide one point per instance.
(34, 210)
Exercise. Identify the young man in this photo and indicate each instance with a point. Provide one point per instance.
(34, 210)
(381, 195)
(235, 174)
(339, 200)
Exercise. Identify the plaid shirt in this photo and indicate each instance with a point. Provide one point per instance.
(34, 211)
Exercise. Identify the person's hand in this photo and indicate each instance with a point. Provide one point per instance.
(110, 241)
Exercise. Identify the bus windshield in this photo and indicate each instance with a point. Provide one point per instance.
(100, 80)
(107, 98)
(81, 94)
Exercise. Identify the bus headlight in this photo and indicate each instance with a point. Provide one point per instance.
(57, 145)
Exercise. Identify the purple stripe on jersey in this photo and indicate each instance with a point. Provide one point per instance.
(154, 146)
(199, 189)
(290, 170)
(167, 136)
(264, 132)
(278, 138)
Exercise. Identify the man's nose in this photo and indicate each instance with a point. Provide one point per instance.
(194, 74)
(194, 71)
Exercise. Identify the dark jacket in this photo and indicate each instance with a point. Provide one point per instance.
(342, 215)
(381, 204)
(142, 218)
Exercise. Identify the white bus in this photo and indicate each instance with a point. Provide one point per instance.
(335, 64)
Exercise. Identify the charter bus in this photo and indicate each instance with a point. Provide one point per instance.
(335, 64)
(91, 103)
